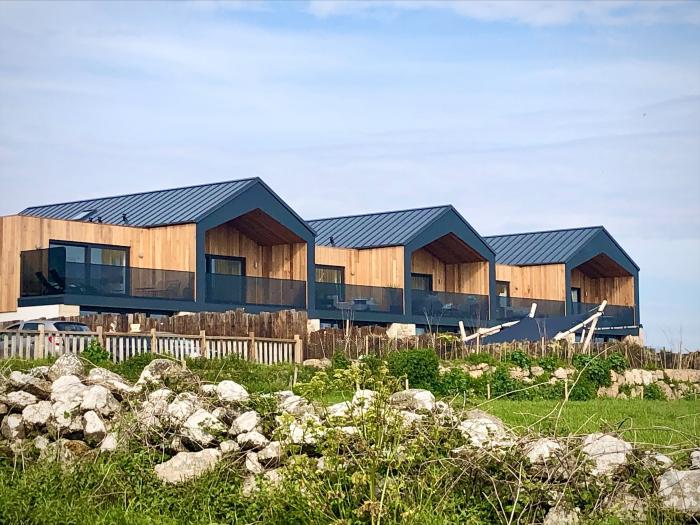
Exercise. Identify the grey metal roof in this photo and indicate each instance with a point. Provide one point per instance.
(547, 247)
(372, 230)
(151, 208)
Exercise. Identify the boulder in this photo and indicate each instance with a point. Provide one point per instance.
(271, 454)
(341, 409)
(64, 450)
(19, 400)
(109, 443)
(229, 446)
(161, 369)
(201, 429)
(252, 440)
(152, 414)
(607, 452)
(230, 391)
(162, 394)
(682, 375)
(66, 365)
(542, 451)
(609, 391)
(483, 429)
(413, 399)
(246, 422)
(628, 507)
(563, 373)
(637, 376)
(536, 371)
(296, 406)
(12, 427)
(208, 389)
(183, 406)
(695, 459)
(362, 399)
(68, 389)
(187, 465)
(318, 363)
(101, 400)
(114, 382)
(408, 419)
(94, 428)
(561, 516)
(667, 390)
(301, 435)
(679, 490)
(42, 372)
(29, 383)
(41, 442)
(252, 464)
(37, 416)
(65, 419)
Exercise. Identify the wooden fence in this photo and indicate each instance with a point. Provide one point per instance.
(123, 345)
(373, 340)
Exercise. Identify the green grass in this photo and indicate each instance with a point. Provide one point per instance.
(662, 423)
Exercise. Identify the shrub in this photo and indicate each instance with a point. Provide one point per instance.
(520, 358)
(583, 390)
(339, 361)
(457, 381)
(95, 354)
(372, 361)
(420, 367)
(548, 364)
(654, 393)
(481, 357)
(617, 362)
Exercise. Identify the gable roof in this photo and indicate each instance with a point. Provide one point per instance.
(373, 230)
(151, 208)
(545, 247)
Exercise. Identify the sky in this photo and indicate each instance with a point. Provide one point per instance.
(523, 115)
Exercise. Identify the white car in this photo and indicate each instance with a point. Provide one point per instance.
(54, 341)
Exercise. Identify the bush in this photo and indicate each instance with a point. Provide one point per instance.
(95, 354)
(548, 364)
(617, 362)
(339, 361)
(457, 381)
(654, 393)
(520, 358)
(420, 367)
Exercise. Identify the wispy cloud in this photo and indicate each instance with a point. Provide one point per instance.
(533, 13)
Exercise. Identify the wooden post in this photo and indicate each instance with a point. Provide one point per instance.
(566, 388)
(251, 347)
(100, 337)
(39, 347)
(298, 350)
(204, 351)
(406, 383)
(154, 341)
(488, 390)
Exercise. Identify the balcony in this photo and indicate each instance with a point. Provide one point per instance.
(450, 305)
(357, 298)
(46, 272)
(614, 316)
(260, 291)
(514, 308)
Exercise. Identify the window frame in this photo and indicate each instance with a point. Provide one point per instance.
(578, 293)
(428, 277)
(210, 256)
(330, 267)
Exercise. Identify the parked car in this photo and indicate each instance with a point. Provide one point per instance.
(54, 341)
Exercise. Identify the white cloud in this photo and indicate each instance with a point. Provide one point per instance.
(533, 13)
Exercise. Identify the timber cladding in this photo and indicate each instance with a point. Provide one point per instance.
(367, 267)
(546, 281)
(167, 247)
(276, 261)
(469, 277)
(616, 290)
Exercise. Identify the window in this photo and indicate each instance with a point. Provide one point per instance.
(91, 269)
(71, 327)
(82, 215)
(576, 295)
(422, 282)
(330, 274)
(31, 327)
(503, 288)
(225, 265)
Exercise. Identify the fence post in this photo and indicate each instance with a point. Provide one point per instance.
(39, 353)
(203, 344)
(251, 347)
(298, 350)
(100, 336)
(154, 341)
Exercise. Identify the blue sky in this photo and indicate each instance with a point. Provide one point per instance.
(525, 116)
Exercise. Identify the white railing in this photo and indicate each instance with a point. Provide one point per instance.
(121, 346)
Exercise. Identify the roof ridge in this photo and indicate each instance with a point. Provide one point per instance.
(579, 228)
(446, 206)
(138, 193)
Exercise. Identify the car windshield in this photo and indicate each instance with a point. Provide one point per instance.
(71, 327)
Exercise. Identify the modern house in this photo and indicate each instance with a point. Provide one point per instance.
(567, 272)
(423, 266)
(208, 247)
(237, 244)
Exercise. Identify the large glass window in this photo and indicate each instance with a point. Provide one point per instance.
(422, 282)
(225, 279)
(330, 274)
(89, 268)
(224, 265)
(576, 295)
(503, 288)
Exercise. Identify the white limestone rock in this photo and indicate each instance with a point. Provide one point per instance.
(68, 389)
(413, 399)
(66, 365)
(114, 382)
(109, 443)
(607, 452)
(341, 409)
(187, 465)
(37, 416)
(318, 363)
(152, 415)
(542, 451)
(484, 430)
(246, 422)
(162, 394)
(159, 369)
(271, 454)
(12, 427)
(202, 429)
(252, 464)
(183, 406)
(94, 428)
(296, 406)
(561, 516)
(679, 490)
(32, 384)
(252, 440)
(231, 392)
(695, 459)
(229, 446)
(101, 400)
(64, 450)
(19, 400)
